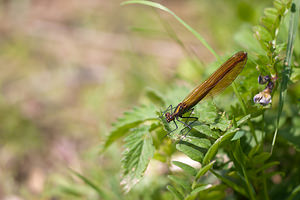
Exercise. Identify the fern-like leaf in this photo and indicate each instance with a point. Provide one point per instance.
(187, 168)
(139, 150)
(130, 120)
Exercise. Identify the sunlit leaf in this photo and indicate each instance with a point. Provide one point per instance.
(243, 120)
(139, 150)
(199, 142)
(262, 33)
(130, 120)
(205, 129)
(199, 189)
(207, 112)
(221, 123)
(190, 151)
(214, 148)
(278, 5)
(187, 168)
(204, 169)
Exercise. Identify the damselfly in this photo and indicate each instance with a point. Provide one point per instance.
(217, 82)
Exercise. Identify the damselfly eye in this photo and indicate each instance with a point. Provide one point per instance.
(168, 117)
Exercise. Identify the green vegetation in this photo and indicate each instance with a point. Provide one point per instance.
(241, 135)
(68, 73)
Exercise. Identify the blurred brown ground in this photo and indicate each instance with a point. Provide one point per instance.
(69, 69)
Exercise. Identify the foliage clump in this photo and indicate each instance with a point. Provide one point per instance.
(242, 135)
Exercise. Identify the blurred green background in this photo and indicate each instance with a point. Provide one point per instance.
(70, 68)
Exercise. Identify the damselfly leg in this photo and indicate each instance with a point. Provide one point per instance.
(188, 125)
(169, 109)
(172, 130)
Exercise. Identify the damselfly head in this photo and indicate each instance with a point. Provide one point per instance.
(169, 117)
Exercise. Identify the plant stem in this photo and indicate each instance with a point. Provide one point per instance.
(265, 188)
(286, 72)
(251, 192)
(244, 110)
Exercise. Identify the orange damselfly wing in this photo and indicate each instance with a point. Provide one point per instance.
(217, 82)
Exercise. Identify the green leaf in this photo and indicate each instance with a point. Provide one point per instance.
(181, 182)
(236, 186)
(295, 77)
(286, 72)
(262, 33)
(130, 120)
(267, 166)
(238, 153)
(159, 6)
(190, 151)
(199, 142)
(204, 129)
(268, 23)
(214, 148)
(199, 189)
(278, 5)
(271, 17)
(243, 120)
(261, 158)
(204, 169)
(280, 47)
(221, 123)
(228, 135)
(271, 13)
(212, 151)
(254, 150)
(207, 112)
(187, 168)
(139, 151)
(176, 194)
(294, 192)
(238, 135)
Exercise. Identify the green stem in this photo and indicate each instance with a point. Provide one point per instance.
(159, 6)
(251, 192)
(265, 188)
(286, 72)
(244, 110)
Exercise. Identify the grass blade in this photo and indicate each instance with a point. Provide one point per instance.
(159, 6)
(176, 194)
(286, 72)
(87, 181)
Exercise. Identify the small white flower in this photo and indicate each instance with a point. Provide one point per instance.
(263, 98)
